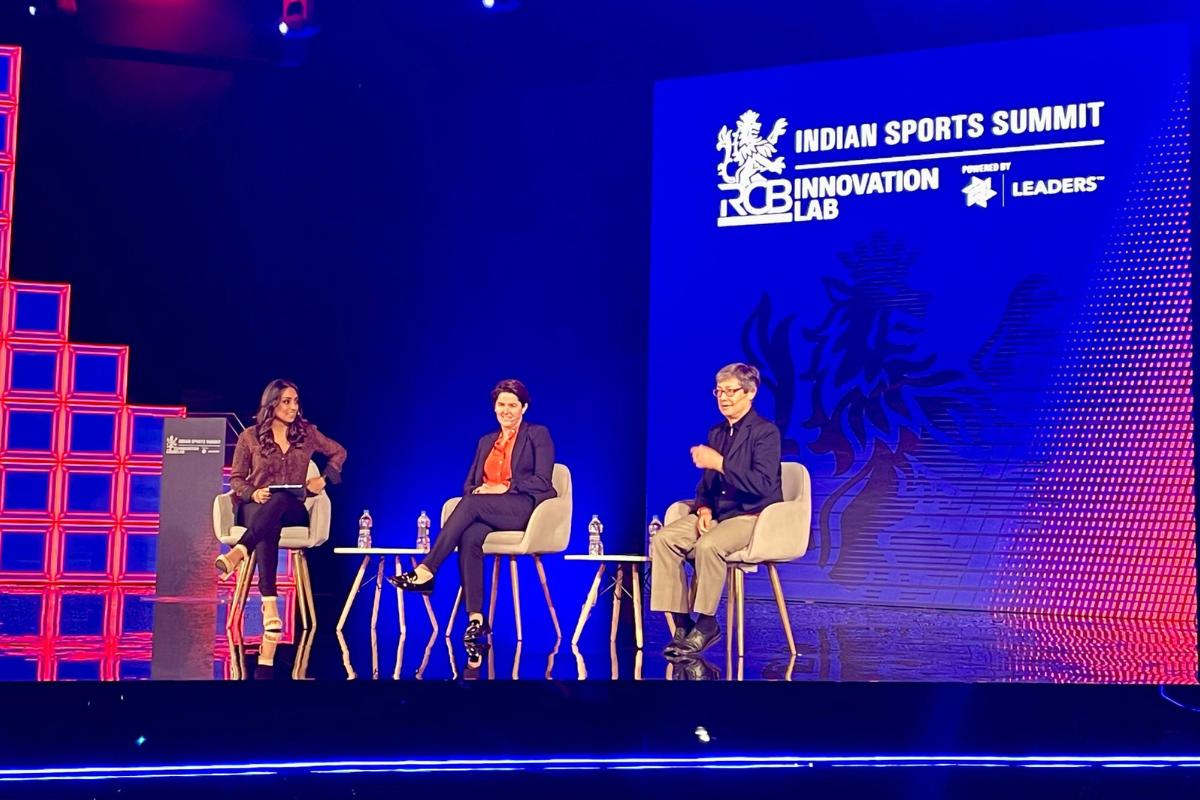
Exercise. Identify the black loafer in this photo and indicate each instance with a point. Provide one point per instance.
(477, 631)
(672, 648)
(408, 582)
(696, 642)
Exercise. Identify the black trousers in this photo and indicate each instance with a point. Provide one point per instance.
(264, 524)
(474, 518)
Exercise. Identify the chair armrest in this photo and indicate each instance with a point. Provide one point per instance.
(549, 528)
(320, 513)
(223, 514)
(676, 510)
(781, 533)
(448, 509)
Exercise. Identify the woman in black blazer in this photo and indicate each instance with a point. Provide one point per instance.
(511, 474)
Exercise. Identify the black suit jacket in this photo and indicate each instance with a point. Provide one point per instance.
(753, 477)
(532, 463)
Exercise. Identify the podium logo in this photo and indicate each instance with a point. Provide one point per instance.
(173, 448)
(747, 156)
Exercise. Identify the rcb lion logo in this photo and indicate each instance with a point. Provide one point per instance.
(751, 198)
(173, 447)
(749, 150)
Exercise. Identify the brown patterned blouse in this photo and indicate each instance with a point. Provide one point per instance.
(254, 467)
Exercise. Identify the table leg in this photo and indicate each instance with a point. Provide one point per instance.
(378, 589)
(375, 648)
(353, 592)
(618, 588)
(637, 605)
(428, 606)
(399, 658)
(588, 602)
(350, 674)
(400, 604)
(454, 612)
(580, 665)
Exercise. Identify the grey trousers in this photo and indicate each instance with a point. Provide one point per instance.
(675, 543)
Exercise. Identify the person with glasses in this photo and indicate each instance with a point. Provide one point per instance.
(510, 476)
(741, 476)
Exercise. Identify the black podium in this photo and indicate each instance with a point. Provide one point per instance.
(186, 594)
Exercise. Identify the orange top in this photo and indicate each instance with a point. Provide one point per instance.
(498, 466)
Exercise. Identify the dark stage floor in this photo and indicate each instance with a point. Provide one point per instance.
(890, 701)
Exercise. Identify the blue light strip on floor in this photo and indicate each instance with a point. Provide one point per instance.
(180, 771)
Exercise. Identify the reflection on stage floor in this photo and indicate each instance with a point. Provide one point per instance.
(114, 634)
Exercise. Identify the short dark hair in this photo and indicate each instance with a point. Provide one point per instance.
(512, 386)
(745, 374)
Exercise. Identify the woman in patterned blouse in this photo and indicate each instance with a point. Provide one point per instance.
(275, 452)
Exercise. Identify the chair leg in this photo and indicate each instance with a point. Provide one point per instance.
(454, 612)
(670, 622)
(516, 590)
(307, 590)
(236, 597)
(300, 602)
(780, 601)
(495, 586)
(730, 604)
(741, 611)
(546, 590)
(306, 580)
(637, 606)
(242, 594)
(251, 567)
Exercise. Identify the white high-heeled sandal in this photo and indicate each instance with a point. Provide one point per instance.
(271, 623)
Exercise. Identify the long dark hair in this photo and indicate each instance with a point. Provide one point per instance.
(266, 414)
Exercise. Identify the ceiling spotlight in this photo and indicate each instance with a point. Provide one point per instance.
(489, 3)
(283, 29)
(33, 11)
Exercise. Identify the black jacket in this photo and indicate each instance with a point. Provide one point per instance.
(753, 477)
(532, 463)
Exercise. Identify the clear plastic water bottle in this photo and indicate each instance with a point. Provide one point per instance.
(364, 529)
(654, 527)
(595, 528)
(423, 532)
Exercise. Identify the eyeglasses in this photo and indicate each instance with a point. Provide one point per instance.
(718, 392)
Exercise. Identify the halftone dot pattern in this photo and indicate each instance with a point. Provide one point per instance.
(1110, 527)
